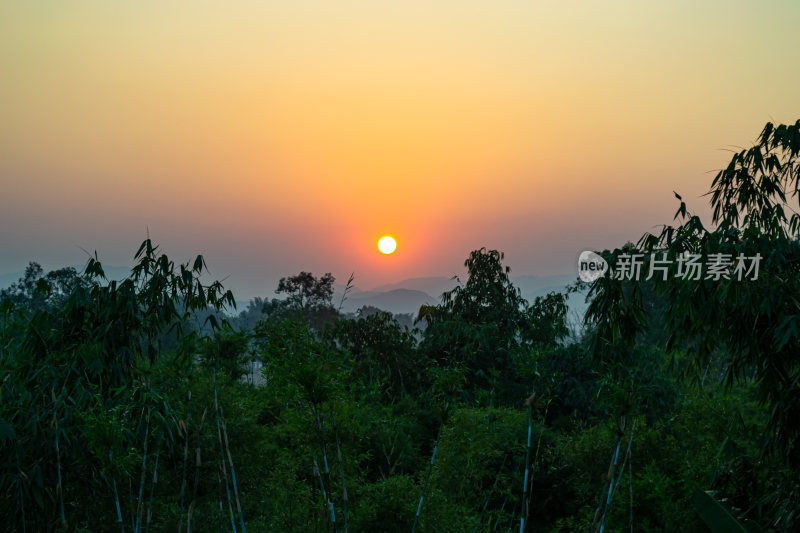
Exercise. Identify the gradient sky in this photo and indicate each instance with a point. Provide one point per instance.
(277, 136)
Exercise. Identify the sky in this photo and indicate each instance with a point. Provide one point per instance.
(274, 137)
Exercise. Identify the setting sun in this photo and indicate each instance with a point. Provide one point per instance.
(387, 245)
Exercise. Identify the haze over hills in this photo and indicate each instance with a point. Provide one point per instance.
(115, 273)
(530, 286)
(434, 285)
(394, 300)
(408, 295)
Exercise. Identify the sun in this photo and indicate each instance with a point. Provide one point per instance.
(387, 245)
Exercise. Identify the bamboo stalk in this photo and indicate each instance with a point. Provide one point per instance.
(315, 471)
(513, 513)
(116, 494)
(323, 445)
(319, 478)
(341, 469)
(152, 490)
(630, 486)
(500, 513)
(610, 478)
(430, 468)
(130, 503)
(536, 457)
(59, 490)
(525, 479)
(185, 460)
(529, 403)
(221, 449)
(22, 501)
(599, 509)
(219, 497)
(610, 488)
(491, 491)
(233, 472)
(619, 476)
(625, 460)
(139, 501)
(197, 464)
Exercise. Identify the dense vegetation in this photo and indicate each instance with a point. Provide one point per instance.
(132, 405)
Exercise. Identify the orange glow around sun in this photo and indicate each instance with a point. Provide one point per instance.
(387, 245)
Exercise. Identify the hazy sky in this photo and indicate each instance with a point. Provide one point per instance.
(279, 136)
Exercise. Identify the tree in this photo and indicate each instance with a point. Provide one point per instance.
(382, 352)
(476, 322)
(227, 348)
(545, 320)
(306, 292)
(486, 325)
(309, 298)
(488, 295)
(36, 289)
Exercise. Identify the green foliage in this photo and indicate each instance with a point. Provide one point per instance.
(228, 350)
(76, 384)
(544, 321)
(380, 350)
(753, 319)
(746, 320)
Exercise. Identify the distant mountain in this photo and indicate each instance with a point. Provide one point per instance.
(530, 286)
(406, 296)
(431, 285)
(396, 300)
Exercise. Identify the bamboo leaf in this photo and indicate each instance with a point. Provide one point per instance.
(6, 431)
(714, 514)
